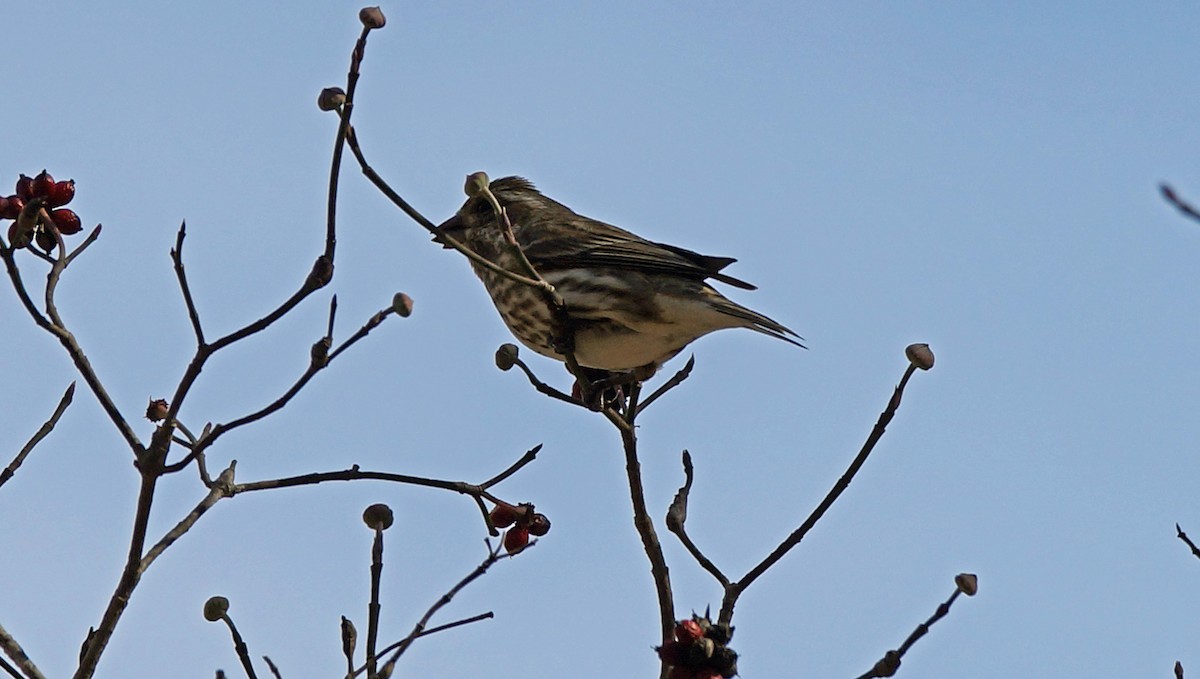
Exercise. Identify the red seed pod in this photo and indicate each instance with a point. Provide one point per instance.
(16, 238)
(61, 193)
(25, 187)
(46, 240)
(4, 209)
(516, 539)
(539, 525)
(687, 631)
(42, 185)
(503, 516)
(15, 205)
(67, 221)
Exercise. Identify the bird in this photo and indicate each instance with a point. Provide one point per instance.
(632, 303)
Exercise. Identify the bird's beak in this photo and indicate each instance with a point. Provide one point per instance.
(453, 227)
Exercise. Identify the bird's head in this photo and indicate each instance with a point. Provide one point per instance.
(476, 219)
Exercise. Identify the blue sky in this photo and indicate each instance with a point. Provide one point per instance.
(982, 179)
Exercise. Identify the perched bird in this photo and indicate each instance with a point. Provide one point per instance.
(633, 303)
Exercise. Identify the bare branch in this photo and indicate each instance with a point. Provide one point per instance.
(240, 647)
(82, 364)
(641, 516)
(494, 555)
(1187, 541)
(670, 384)
(181, 276)
(373, 607)
(91, 238)
(544, 388)
(17, 654)
(398, 200)
(222, 488)
(677, 518)
(529, 456)
(890, 662)
(354, 474)
(130, 576)
(1179, 203)
(317, 363)
(41, 433)
(735, 589)
(9, 669)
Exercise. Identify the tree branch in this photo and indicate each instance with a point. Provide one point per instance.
(41, 433)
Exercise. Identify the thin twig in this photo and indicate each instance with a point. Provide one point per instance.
(1187, 541)
(240, 647)
(529, 456)
(670, 384)
(354, 474)
(17, 654)
(74, 351)
(374, 607)
(217, 491)
(677, 518)
(440, 628)
(313, 368)
(91, 238)
(41, 433)
(18, 283)
(130, 575)
(641, 516)
(735, 589)
(10, 670)
(181, 276)
(494, 555)
(423, 221)
(1179, 203)
(349, 641)
(343, 132)
(544, 388)
(890, 662)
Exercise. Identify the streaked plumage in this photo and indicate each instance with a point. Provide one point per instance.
(633, 302)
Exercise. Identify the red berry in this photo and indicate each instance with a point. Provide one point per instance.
(503, 516)
(4, 208)
(516, 539)
(25, 187)
(41, 185)
(67, 221)
(15, 205)
(16, 239)
(61, 193)
(539, 525)
(687, 631)
(46, 240)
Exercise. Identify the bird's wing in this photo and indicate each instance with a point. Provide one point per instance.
(604, 245)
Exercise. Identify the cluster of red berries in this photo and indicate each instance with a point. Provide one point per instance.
(36, 207)
(524, 522)
(699, 650)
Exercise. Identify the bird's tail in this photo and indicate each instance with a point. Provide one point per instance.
(756, 321)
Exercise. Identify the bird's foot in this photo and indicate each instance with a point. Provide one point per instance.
(606, 388)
